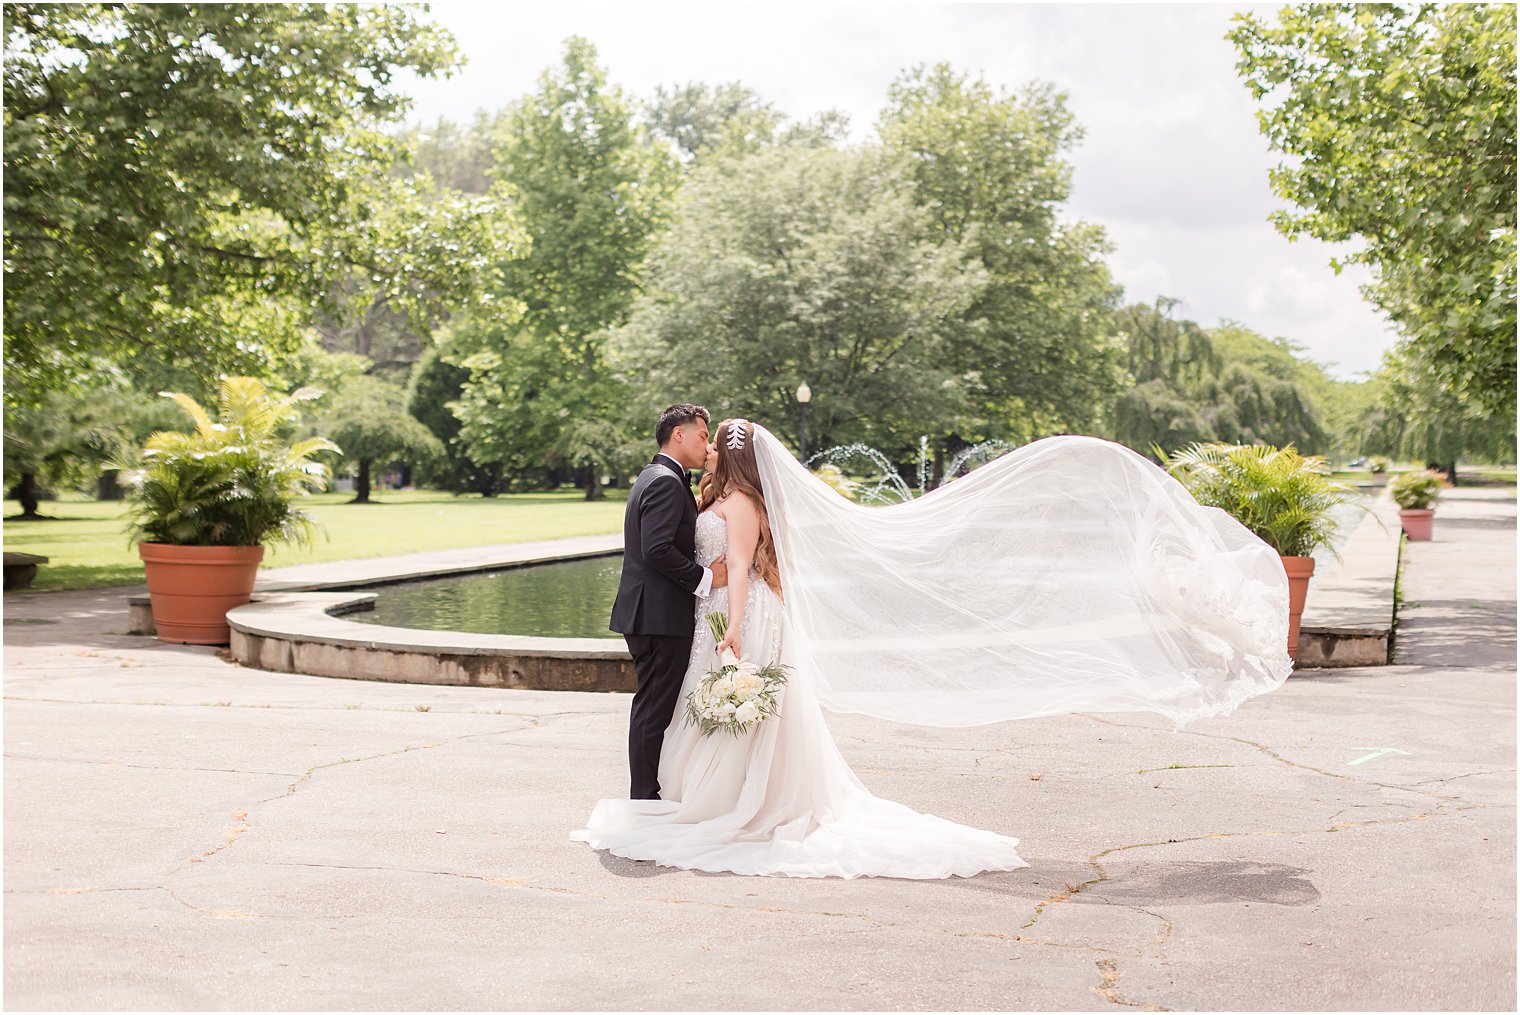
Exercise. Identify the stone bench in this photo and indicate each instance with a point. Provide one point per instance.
(21, 568)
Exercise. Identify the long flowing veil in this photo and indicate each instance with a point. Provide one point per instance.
(1069, 575)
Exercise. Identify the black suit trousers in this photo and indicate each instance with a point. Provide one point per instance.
(660, 663)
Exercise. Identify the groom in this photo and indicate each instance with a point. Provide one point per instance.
(655, 606)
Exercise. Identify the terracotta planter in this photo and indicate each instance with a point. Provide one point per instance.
(1300, 570)
(1418, 523)
(193, 587)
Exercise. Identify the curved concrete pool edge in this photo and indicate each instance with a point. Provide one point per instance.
(292, 625)
(297, 632)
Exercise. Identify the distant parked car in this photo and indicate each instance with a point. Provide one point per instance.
(1357, 463)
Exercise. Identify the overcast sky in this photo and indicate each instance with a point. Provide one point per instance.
(1172, 165)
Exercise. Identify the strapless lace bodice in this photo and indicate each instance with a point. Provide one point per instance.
(712, 537)
(762, 610)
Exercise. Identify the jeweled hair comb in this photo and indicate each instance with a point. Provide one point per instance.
(736, 434)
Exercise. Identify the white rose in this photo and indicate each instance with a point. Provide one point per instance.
(723, 687)
(747, 713)
(748, 685)
(727, 709)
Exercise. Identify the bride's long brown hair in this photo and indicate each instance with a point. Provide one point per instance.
(737, 471)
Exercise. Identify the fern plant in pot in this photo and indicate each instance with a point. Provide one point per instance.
(205, 502)
(1415, 493)
(1288, 500)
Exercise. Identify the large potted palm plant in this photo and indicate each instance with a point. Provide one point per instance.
(1415, 493)
(1287, 499)
(204, 503)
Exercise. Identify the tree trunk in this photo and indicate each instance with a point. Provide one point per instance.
(361, 485)
(593, 485)
(406, 475)
(27, 493)
(938, 473)
(106, 486)
(487, 479)
(1450, 468)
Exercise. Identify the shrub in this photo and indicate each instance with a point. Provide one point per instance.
(232, 481)
(1417, 491)
(1283, 497)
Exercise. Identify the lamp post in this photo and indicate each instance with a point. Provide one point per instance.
(804, 396)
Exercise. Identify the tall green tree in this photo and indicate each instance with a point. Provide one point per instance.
(1335, 405)
(1245, 406)
(1192, 384)
(1035, 354)
(458, 157)
(1153, 414)
(73, 438)
(591, 190)
(1158, 346)
(695, 117)
(1399, 124)
(699, 121)
(811, 265)
(1415, 416)
(367, 418)
(192, 183)
(437, 382)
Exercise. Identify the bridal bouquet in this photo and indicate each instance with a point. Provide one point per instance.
(738, 694)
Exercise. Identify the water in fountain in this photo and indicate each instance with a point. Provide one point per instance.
(890, 482)
(966, 454)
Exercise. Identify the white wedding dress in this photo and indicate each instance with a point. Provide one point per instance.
(780, 799)
(1069, 575)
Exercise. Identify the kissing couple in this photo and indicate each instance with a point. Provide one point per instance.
(1069, 575)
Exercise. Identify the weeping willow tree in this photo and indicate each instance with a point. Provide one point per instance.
(1196, 385)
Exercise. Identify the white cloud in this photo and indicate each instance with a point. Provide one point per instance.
(1172, 164)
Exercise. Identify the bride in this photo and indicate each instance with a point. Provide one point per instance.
(1069, 575)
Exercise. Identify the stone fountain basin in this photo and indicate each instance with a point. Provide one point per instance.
(295, 624)
(305, 632)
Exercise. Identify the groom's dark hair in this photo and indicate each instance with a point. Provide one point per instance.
(675, 416)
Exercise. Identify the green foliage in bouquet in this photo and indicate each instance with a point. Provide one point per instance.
(1283, 497)
(1416, 491)
(233, 480)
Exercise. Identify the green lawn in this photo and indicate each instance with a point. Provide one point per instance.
(87, 545)
(1473, 475)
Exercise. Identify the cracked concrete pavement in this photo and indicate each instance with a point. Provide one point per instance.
(184, 833)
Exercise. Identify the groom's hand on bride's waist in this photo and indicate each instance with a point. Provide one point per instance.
(719, 572)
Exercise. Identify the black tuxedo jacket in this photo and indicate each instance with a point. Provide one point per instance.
(660, 571)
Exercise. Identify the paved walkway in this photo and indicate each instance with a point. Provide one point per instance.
(184, 833)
